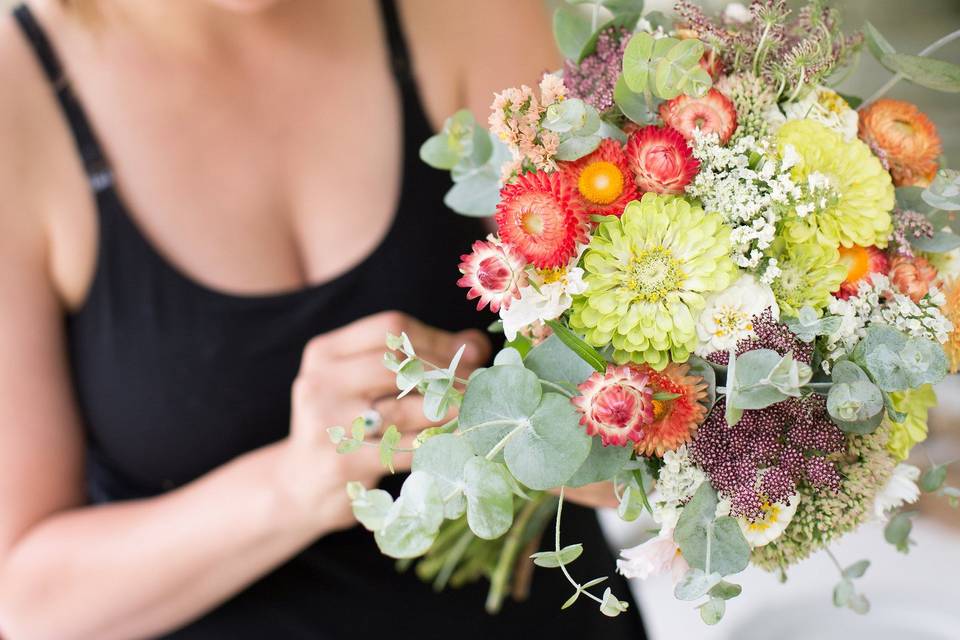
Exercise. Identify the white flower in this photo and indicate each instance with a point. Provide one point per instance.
(654, 557)
(826, 107)
(678, 480)
(901, 488)
(728, 316)
(546, 299)
(776, 517)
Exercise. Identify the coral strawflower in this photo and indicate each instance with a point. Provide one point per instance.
(494, 273)
(913, 276)
(861, 262)
(903, 138)
(616, 405)
(540, 216)
(951, 309)
(661, 160)
(603, 178)
(713, 113)
(675, 420)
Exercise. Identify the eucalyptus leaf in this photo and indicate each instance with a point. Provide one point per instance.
(702, 368)
(388, 441)
(612, 606)
(876, 43)
(572, 32)
(857, 569)
(444, 457)
(632, 104)
(337, 434)
(944, 192)
(897, 531)
(370, 508)
(729, 551)
(554, 559)
(508, 355)
(412, 523)
(631, 505)
(502, 395)
(439, 153)
(933, 478)
(679, 71)
(489, 498)
(555, 362)
(939, 242)
(927, 72)
(476, 194)
(638, 62)
(577, 147)
(601, 464)
(726, 590)
(695, 584)
(546, 452)
(711, 612)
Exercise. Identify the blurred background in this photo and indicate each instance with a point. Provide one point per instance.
(913, 596)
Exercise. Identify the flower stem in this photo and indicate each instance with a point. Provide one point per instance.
(504, 440)
(556, 387)
(500, 577)
(563, 566)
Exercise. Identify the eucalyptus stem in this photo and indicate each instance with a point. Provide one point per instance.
(556, 387)
(563, 566)
(504, 440)
(506, 422)
(377, 444)
(836, 562)
(500, 577)
(452, 559)
(897, 77)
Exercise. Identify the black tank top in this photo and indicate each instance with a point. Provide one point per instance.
(174, 378)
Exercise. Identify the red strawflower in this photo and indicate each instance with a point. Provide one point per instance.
(713, 113)
(540, 216)
(493, 273)
(616, 405)
(661, 160)
(675, 420)
(862, 262)
(603, 179)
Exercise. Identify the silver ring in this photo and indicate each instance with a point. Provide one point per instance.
(372, 420)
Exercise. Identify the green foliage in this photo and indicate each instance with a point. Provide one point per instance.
(896, 362)
(711, 544)
(547, 450)
(702, 368)
(711, 612)
(611, 605)
(489, 495)
(927, 72)
(876, 43)
(369, 507)
(759, 378)
(602, 463)
(576, 344)
(897, 531)
(572, 32)
(933, 478)
(808, 325)
(944, 192)
(554, 362)
(496, 400)
(855, 406)
(664, 67)
(578, 125)
(445, 457)
(695, 584)
(553, 559)
(412, 522)
(633, 105)
(388, 443)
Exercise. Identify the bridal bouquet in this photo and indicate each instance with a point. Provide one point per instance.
(725, 288)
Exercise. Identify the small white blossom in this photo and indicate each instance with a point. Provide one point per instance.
(728, 315)
(546, 299)
(679, 479)
(776, 517)
(901, 488)
(826, 107)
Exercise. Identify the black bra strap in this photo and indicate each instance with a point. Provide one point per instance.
(94, 162)
(399, 57)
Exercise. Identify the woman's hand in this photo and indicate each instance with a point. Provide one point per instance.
(341, 376)
(598, 495)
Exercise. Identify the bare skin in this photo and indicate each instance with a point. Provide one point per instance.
(226, 122)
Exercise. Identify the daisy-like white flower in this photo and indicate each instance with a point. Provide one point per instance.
(550, 294)
(615, 405)
(494, 273)
(776, 516)
(656, 556)
(901, 488)
(713, 113)
(540, 216)
(728, 316)
(825, 106)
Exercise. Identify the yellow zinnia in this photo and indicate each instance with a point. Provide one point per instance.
(852, 194)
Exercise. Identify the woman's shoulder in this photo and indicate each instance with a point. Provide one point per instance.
(483, 46)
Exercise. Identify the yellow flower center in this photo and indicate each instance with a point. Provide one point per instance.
(552, 275)
(770, 514)
(653, 273)
(659, 408)
(832, 102)
(601, 182)
(730, 320)
(532, 222)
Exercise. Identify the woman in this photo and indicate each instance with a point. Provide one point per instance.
(193, 190)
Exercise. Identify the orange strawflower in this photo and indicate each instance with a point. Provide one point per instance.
(676, 420)
(861, 262)
(951, 309)
(913, 276)
(904, 139)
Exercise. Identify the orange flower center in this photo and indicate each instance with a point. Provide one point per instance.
(857, 259)
(659, 408)
(601, 182)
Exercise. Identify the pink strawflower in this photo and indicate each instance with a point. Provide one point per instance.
(616, 405)
(493, 273)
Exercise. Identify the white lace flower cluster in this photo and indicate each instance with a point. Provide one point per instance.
(679, 479)
(878, 302)
(751, 189)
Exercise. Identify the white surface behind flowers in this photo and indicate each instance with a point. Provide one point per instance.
(913, 596)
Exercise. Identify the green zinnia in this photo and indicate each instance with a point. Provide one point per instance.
(916, 403)
(647, 273)
(855, 207)
(809, 273)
